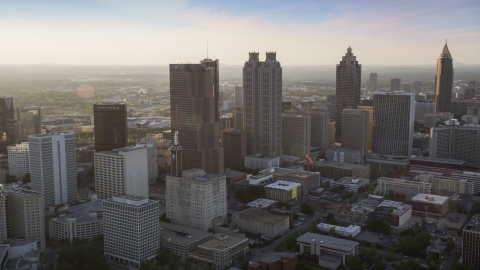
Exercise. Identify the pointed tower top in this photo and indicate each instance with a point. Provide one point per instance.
(445, 52)
(349, 50)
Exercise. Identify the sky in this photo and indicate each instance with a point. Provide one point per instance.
(302, 32)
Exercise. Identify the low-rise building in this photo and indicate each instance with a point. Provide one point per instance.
(308, 180)
(332, 252)
(274, 260)
(432, 206)
(471, 242)
(400, 216)
(221, 251)
(343, 231)
(350, 183)
(283, 191)
(449, 184)
(351, 213)
(263, 222)
(404, 188)
(338, 170)
(83, 221)
(181, 240)
(261, 204)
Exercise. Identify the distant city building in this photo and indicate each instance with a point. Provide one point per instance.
(234, 143)
(226, 121)
(406, 87)
(7, 123)
(444, 81)
(296, 132)
(196, 199)
(471, 242)
(284, 260)
(421, 141)
(22, 216)
(131, 231)
(373, 82)
(345, 155)
(401, 187)
(350, 231)
(238, 118)
(399, 216)
(351, 184)
(348, 83)
(470, 91)
(262, 222)
(308, 180)
(331, 106)
(123, 170)
(238, 95)
(18, 160)
(283, 191)
(263, 105)
(417, 86)
(355, 129)
(319, 129)
(286, 105)
(28, 122)
(338, 170)
(469, 176)
(393, 123)
(432, 206)
(423, 108)
(53, 167)
(195, 114)
(110, 123)
(442, 183)
(395, 84)
(370, 124)
(260, 162)
(454, 141)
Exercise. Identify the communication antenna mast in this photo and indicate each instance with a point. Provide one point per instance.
(207, 48)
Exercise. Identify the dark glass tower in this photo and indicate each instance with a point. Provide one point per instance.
(347, 95)
(444, 81)
(7, 123)
(110, 126)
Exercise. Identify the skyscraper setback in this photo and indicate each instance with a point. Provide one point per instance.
(347, 95)
(195, 115)
(444, 81)
(110, 125)
(262, 86)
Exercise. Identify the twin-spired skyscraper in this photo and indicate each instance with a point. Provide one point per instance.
(262, 92)
(347, 95)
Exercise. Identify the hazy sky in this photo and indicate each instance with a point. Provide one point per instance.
(144, 32)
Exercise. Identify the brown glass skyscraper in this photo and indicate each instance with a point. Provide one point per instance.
(444, 81)
(110, 123)
(194, 114)
(347, 95)
(7, 123)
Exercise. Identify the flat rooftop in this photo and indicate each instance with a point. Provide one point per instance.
(349, 229)
(261, 203)
(429, 198)
(288, 172)
(222, 241)
(82, 212)
(274, 256)
(474, 224)
(181, 235)
(130, 200)
(261, 216)
(404, 208)
(328, 241)
(284, 185)
(402, 181)
(339, 165)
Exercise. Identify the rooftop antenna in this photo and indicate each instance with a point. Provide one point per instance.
(207, 48)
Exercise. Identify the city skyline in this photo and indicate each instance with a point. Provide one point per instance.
(104, 32)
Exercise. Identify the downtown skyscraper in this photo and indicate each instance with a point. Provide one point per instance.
(347, 95)
(110, 125)
(262, 91)
(194, 95)
(444, 81)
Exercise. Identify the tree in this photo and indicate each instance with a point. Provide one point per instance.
(342, 187)
(423, 238)
(361, 189)
(211, 230)
(80, 256)
(432, 265)
(390, 257)
(410, 265)
(355, 263)
(331, 231)
(164, 218)
(429, 259)
(307, 209)
(377, 225)
(242, 195)
(450, 245)
(148, 265)
(10, 178)
(408, 245)
(290, 241)
(26, 178)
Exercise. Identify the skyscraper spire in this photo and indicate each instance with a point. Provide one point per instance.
(445, 52)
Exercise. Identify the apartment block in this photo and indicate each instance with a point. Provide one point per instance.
(450, 184)
(131, 231)
(401, 186)
(18, 160)
(283, 191)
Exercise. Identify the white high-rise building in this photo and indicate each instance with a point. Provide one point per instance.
(197, 200)
(131, 230)
(18, 160)
(152, 161)
(53, 167)
(123, 170)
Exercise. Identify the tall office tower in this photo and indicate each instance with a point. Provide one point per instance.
(417, 86)
(393, 123)
(195, 115)
(131, 232)
(262, 91)
(23, 216)
(423, 108)
(355, 129)
(238, 118)
(123, 170)
(471, 242)
(296, 132)
(234, 143)
(347, 95)
(444, 81)
(196, 200)
(470, 91)
(7, 123)
(370, 124)
(395, 84)
(238, 95)
(373, 82)
(152, 160)
(110, 126)
(319, 128)
(29, 122)
(18, 160)
(453, 141)
(53, 167)
(331, 106)
(406, 87)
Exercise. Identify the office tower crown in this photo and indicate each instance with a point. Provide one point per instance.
(349, 59)
(271, 56)
(445, 52)
(253, 56)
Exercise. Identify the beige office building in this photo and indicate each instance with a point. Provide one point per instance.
(370, 124)
(283, 191)
(196, 199)
(320, 128)
(18, 160)
(355, 128)
(296, 134)
(401, 186)
(461, 186)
